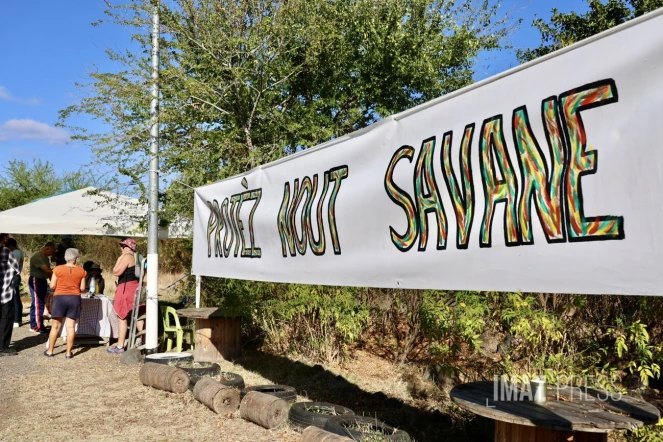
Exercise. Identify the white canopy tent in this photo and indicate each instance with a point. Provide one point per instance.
(88, 212)
(85, 212)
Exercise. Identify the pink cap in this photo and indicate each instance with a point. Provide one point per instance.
(129, 243)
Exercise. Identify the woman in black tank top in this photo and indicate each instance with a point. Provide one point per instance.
(127, 286)
(128, 275)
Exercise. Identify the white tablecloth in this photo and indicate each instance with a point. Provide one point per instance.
(97, 318)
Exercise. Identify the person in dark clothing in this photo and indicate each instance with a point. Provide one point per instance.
(58, 256)
(94, 271)
(8, 270)
(18, 305)
(127, 284)
(40, 272)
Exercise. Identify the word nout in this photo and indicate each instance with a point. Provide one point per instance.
(306, 192)
(557, 193)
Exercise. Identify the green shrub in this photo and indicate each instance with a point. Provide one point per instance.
(452, 323)
(317, 322)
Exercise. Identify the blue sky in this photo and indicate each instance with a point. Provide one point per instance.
(47, 46)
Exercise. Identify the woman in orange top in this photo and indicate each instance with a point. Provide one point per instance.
(68, 280)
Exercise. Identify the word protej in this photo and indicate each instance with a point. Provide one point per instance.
(556, 193)
(225, 218)
(296, 236)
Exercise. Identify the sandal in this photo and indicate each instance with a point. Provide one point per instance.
(48, 355)
(69, 356)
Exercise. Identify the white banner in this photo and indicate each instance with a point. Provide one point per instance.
(495, 187)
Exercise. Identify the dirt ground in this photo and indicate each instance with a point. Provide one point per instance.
(95, 397)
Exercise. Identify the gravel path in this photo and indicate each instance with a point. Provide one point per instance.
(95, 397)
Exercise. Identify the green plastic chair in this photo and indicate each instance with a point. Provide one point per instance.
(172, 328)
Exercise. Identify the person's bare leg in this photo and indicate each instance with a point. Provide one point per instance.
(122, 332)
(71, 334)
(139, 326)
(56, 325)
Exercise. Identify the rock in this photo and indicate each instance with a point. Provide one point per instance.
(132, 357)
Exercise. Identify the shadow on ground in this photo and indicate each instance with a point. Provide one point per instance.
(30, 341)
(321, 385)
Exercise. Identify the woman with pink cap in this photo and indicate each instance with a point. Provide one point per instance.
(127, 284)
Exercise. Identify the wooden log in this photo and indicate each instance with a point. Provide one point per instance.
(218, 397)
(263, 409)
(315, 434)
(163, 377)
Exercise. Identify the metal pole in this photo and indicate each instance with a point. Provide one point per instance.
(152, 307)
(198, 281)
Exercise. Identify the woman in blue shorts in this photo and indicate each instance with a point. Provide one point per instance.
(68, 281)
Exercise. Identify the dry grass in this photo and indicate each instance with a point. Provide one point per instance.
(95, 397)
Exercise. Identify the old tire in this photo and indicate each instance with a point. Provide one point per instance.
(316, 414)
(198, 370)
(369, 428)
(232, 380)
(284, 392)
(172, 359)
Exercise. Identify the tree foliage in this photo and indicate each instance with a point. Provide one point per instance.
(244, 83)
(564, 29)
(21, 183)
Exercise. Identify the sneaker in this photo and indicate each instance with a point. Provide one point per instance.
(116, 350)
(16, 325)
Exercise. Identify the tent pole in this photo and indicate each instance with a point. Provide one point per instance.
(198, 281)
(152, 307)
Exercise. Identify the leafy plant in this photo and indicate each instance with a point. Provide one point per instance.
(452, 323)
(565, 29)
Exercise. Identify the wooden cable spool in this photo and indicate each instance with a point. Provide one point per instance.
(263, 409)
(315, 434)
(163, 377)
(219, 398)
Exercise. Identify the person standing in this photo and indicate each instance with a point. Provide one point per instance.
(94, 272)
(8, 270)
(18, 305)
(65, 243)
(40, 271)
(127, 284)
(68, 281)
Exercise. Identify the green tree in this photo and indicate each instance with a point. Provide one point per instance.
(244, 83)
(564, 29)
(21, 183)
